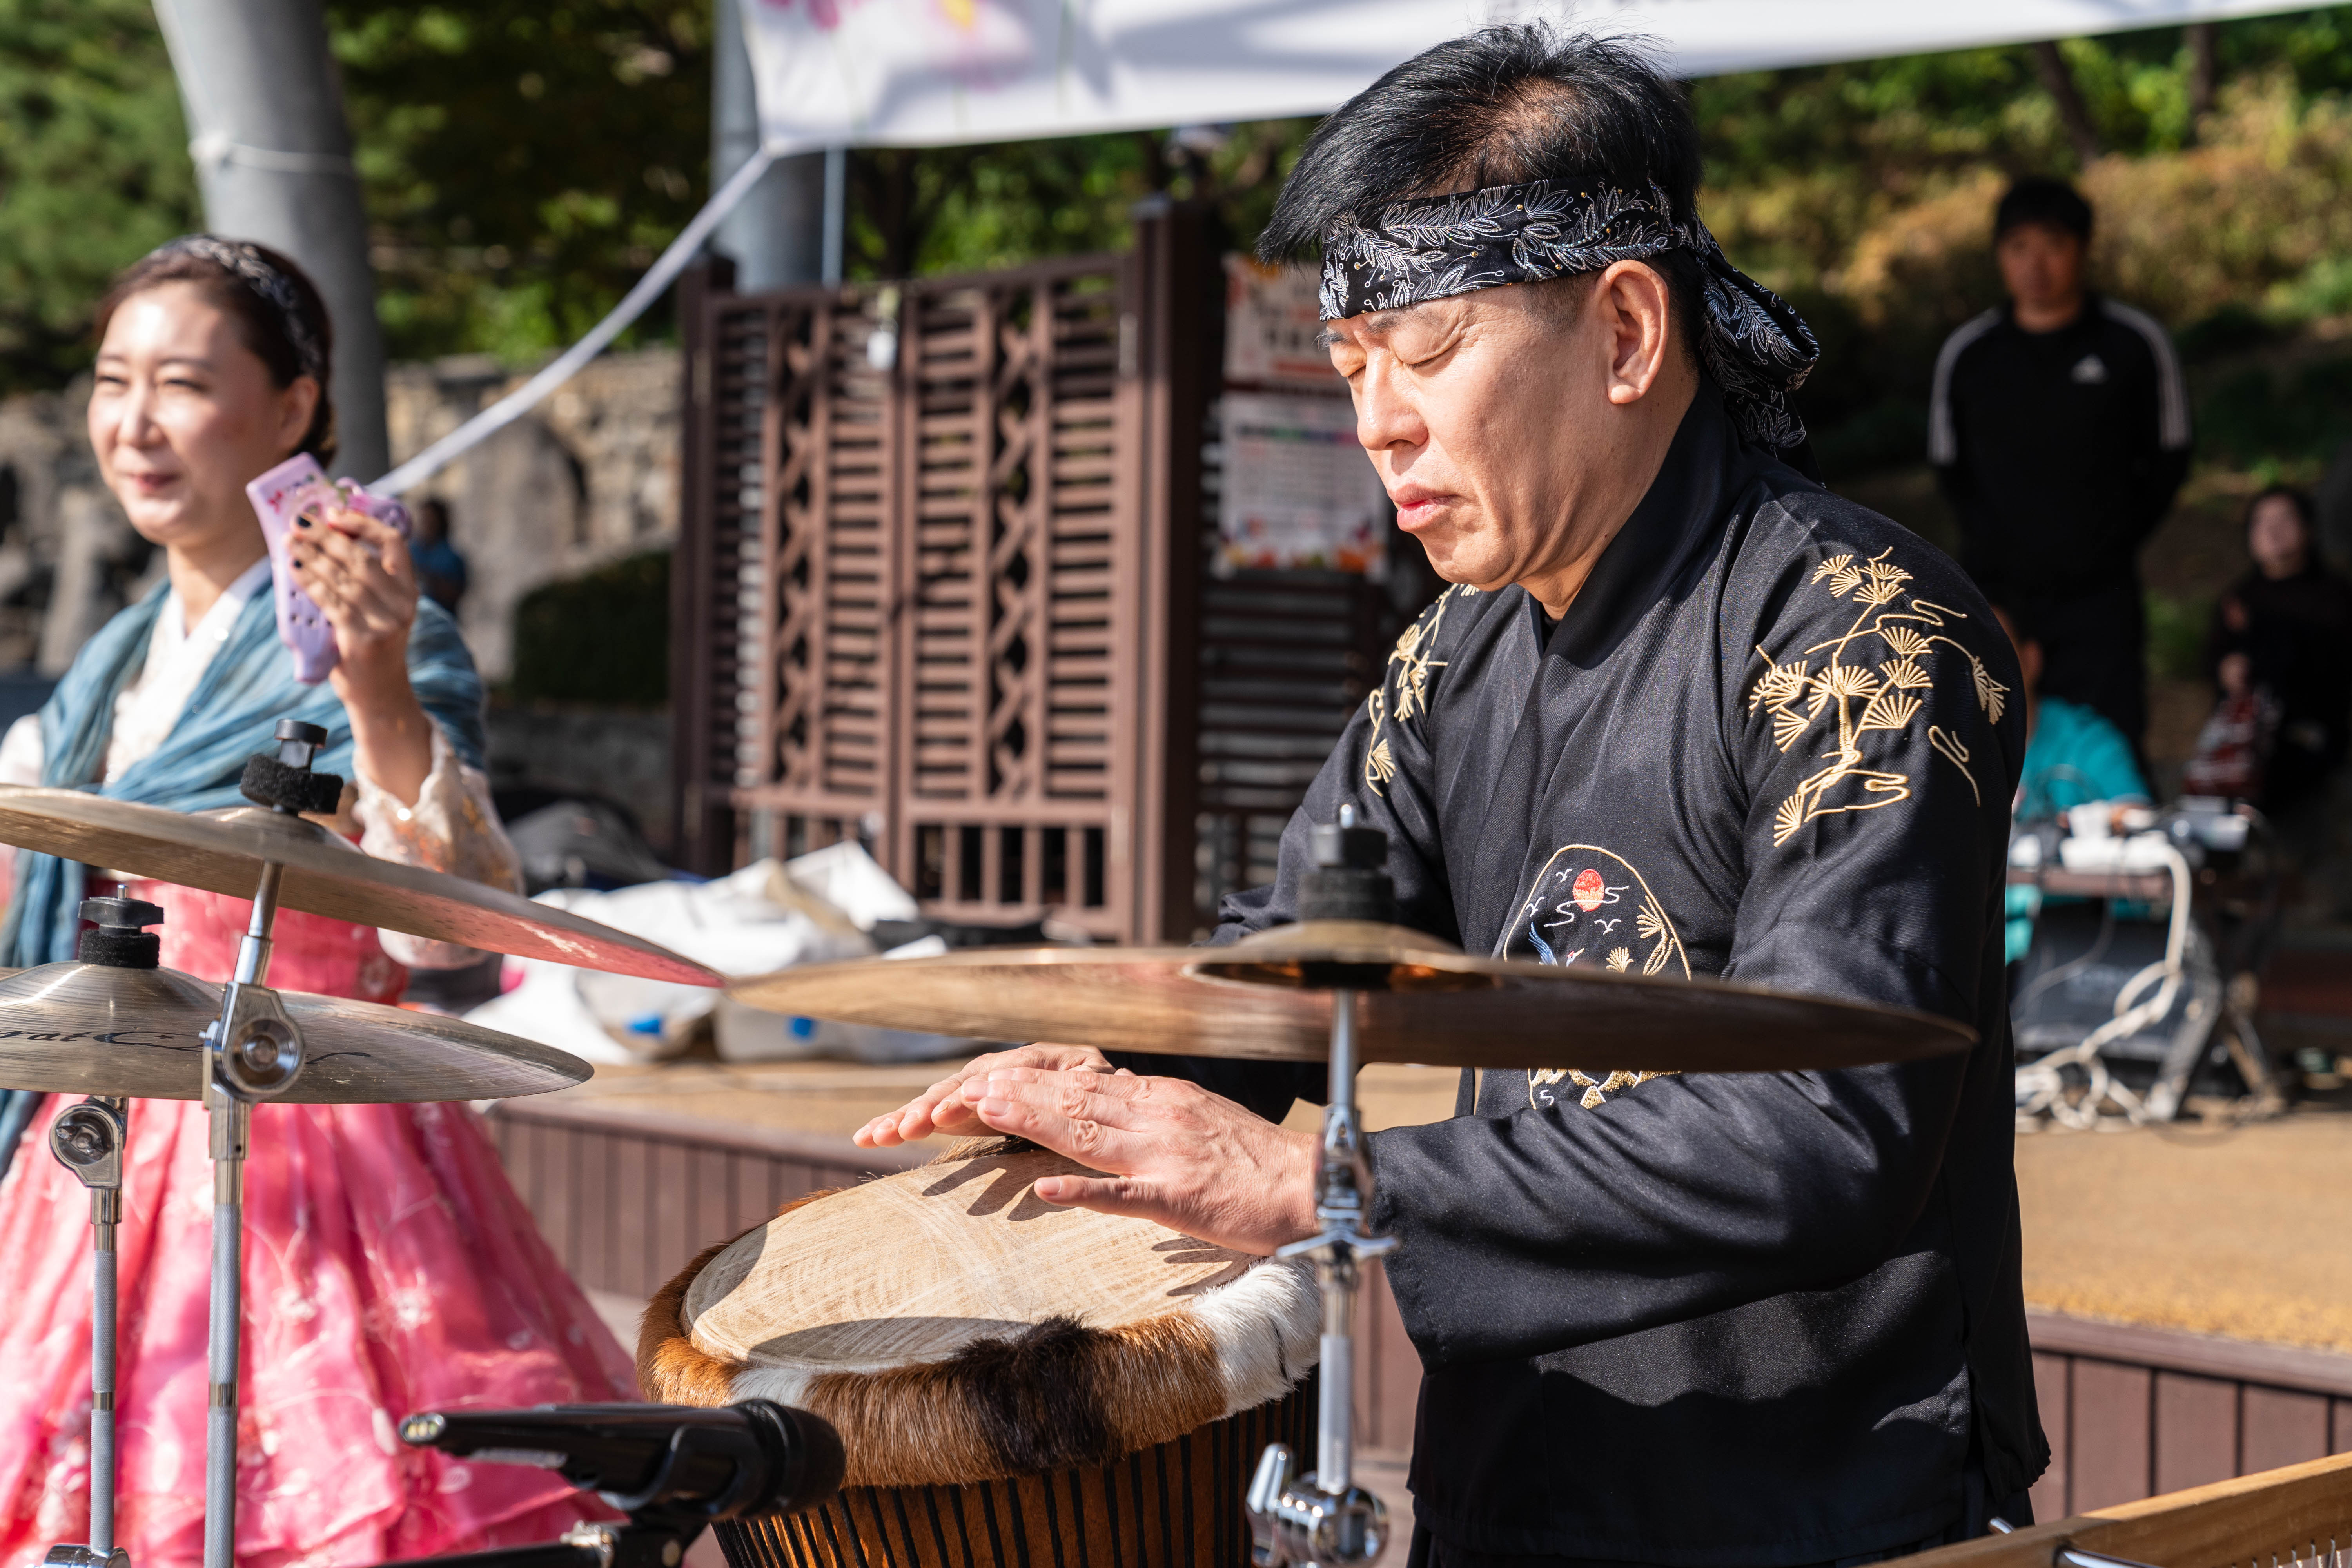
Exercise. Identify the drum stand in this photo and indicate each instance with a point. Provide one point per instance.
(88, 1139)
(1324, 1519)
(251, 1053)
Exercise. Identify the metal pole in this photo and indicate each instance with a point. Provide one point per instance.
(1324, 1520)
(232, 1123)
(837, 213)
(1334, 1446)
(775, 235)
(105, 1214)
(90, 1139)
(273, 159)
(231, 1126)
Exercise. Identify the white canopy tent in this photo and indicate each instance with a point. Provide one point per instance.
(911, 73)
(926, 72)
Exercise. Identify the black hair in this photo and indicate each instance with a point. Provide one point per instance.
(1503, 106)
(261, 325)
(2038, 198)
(2306, 511)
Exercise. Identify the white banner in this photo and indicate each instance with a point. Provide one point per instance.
(909, 73)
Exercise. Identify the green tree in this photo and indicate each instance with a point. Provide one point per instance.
(94, 170)
(524, 162)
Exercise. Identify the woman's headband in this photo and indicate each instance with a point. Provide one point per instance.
(256, 271)
(1757, 348)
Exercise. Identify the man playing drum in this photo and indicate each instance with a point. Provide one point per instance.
(1683, 712)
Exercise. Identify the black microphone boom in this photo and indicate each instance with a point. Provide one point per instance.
(678, 1462)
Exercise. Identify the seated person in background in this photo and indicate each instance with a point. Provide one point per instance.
(2283, 634)
(440, 569)
(2072, 756)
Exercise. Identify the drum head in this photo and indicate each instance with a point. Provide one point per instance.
(916, 1266)
(957, 1328)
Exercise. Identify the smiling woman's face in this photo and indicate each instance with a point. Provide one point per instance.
(182, 413)
(1487, 416)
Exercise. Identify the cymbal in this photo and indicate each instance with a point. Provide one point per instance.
(88, 1029)
(1418, 1000)
(222, 852)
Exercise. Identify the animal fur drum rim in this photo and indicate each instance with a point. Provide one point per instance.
(957, 1329)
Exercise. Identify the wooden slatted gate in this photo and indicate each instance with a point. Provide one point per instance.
(942, 585)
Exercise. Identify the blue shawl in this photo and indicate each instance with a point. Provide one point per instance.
(232, 714)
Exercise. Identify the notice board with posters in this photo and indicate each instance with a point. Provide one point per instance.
(1296, 490)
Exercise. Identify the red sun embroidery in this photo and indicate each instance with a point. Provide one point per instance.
(1589, 889)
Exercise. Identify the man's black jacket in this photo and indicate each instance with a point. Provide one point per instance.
(1732, 1318)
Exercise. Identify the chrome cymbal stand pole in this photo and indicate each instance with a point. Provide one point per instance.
(88, 1139)
(1324, 1519)
(252, 1053)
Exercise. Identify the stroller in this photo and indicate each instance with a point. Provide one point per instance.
(2138, 991)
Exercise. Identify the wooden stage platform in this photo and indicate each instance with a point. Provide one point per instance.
(2189, 1293)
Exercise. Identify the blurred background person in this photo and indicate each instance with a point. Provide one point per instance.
(440, 568)
(2072, 756)
(2281, 641)
(2059, 426)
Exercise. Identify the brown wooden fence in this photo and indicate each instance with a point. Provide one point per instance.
(942, 583)
(2134, 1412)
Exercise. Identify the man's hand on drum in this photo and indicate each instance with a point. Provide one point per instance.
(1174, 1153)
(943, 1108)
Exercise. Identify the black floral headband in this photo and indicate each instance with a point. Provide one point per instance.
(1757, 348)
(253, 270)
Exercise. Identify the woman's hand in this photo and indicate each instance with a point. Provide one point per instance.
(943, 1108)
(357, 571)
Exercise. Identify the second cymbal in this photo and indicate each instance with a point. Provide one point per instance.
(1418, 1000)
(88, 1029)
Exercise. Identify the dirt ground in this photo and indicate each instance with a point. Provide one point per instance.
(2234, 1232)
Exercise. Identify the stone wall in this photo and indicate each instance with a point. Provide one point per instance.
(592, 474)
(68, 559)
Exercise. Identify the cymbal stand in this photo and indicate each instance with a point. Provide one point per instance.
(251, 1053)
(88, 1139)
(1324, 1519)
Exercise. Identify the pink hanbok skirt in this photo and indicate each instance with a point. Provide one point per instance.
(389, 1268)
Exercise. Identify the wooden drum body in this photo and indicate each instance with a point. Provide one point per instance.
(1013, 1382)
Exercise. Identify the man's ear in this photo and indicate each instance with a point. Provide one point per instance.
(1632, 303)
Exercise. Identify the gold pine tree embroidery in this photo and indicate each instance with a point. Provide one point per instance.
(1863, 699)
(1403, 692)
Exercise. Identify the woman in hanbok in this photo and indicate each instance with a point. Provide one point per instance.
(389, 1267)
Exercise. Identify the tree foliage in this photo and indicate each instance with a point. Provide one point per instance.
(524, 162)
(94, 170)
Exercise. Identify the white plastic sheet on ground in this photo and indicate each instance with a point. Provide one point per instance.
(927, 72)
(768, 916)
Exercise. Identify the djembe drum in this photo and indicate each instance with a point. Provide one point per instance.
(1013, 1382)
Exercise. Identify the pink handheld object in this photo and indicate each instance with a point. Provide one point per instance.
(282, 498)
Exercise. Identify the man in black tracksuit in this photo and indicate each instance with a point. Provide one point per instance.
(2060, 429)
